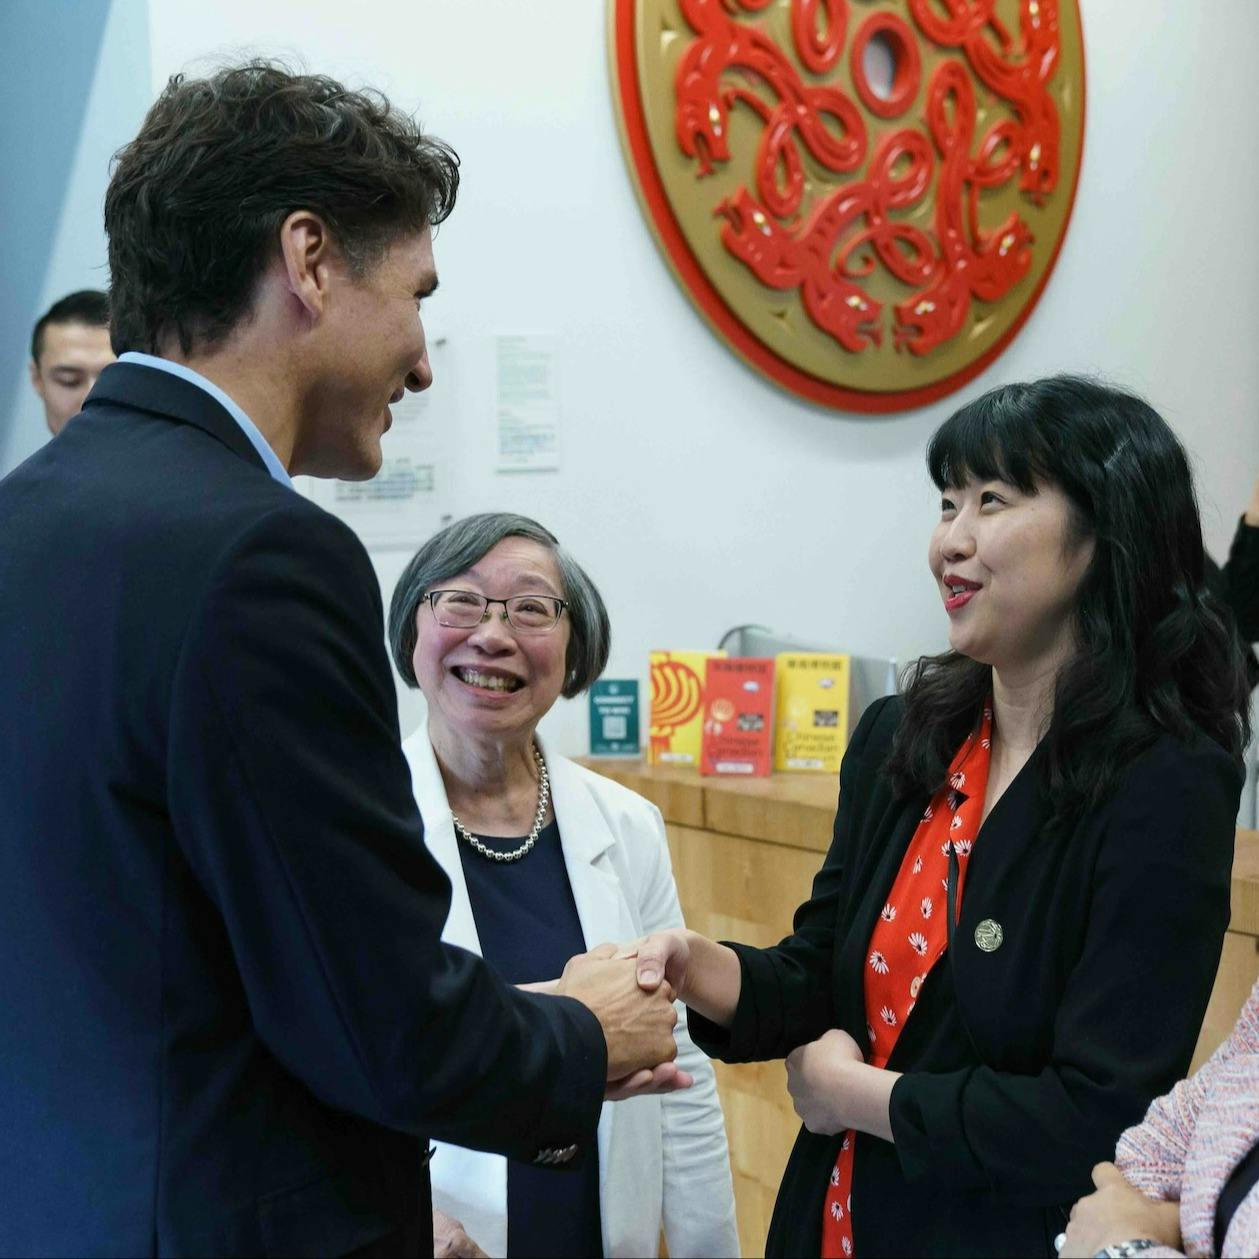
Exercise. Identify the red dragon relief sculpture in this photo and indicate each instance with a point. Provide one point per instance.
(844, 184)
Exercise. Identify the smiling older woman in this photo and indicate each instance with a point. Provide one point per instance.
(494, 622)
(1010, 946)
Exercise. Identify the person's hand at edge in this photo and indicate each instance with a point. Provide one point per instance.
(450, 1241)
(1116, 1213)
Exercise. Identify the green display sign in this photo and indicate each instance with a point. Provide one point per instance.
(614, 718)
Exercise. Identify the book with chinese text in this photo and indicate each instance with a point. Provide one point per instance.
(811, 725)
(677, 706)
(738, 717)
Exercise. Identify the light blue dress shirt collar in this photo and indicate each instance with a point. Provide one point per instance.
(247, 426)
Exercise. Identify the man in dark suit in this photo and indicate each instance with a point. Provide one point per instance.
(231, 1023)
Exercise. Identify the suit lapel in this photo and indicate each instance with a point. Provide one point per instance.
(173, 398)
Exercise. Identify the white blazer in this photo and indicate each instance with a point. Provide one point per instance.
(660, 1158)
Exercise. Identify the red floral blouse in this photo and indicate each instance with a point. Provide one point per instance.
(909, 938)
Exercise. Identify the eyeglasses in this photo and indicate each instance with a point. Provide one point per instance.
(465, 609)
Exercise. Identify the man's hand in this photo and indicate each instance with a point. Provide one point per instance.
(1118, 1213)
(637, 1025)
(815, 1081)
(450, 1241)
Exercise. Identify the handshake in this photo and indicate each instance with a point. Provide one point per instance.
(633, 1002)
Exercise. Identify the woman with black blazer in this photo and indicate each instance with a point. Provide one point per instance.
(1011, 944)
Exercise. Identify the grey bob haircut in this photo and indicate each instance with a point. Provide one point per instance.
(457, 548)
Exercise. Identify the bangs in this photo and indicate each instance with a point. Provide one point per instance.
(998, 437)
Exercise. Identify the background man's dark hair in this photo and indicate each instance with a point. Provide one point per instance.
(196, 200)
(87, 306)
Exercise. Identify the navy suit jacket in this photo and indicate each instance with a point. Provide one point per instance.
(231, 1023)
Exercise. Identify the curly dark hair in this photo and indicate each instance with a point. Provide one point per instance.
(1155, 651)
(195, 201)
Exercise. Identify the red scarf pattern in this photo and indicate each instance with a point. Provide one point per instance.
(909, 938)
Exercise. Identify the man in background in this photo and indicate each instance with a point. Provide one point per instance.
(69, 350)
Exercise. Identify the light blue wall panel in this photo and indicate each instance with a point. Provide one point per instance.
(76, 85)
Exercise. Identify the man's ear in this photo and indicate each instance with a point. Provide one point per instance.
(306, 250)
(36, 381)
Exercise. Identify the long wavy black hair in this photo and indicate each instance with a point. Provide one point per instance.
(1154, 651)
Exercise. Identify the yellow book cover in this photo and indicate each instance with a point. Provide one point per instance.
(811, 725)
(677, 706)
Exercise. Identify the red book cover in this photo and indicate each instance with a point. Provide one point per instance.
(738, 717)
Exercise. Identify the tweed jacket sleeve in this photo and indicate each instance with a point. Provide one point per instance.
(1192, 1137)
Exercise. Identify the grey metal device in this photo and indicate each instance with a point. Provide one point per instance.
(870, 677)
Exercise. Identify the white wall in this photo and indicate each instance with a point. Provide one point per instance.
(698, 495)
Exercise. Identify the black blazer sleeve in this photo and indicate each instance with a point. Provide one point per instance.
(292, 800)
(785, 993)
(1157, 908)
(1241, 580)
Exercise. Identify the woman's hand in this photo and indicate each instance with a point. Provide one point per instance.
(545, 986)
(1118, 1213)
(819, 1078)
(450, 1241)
(668, 1077)
(662, 956)
(704, 974)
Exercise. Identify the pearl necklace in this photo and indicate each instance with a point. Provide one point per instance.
(544, 799)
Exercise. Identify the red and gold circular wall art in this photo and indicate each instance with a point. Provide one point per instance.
(865, 198)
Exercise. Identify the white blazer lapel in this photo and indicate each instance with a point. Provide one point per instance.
(587, 839)
(439, 834)
(468, 1184)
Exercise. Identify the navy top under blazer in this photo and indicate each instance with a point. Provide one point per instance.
(230, 1024)
(1024, 1064)
(528, 926)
